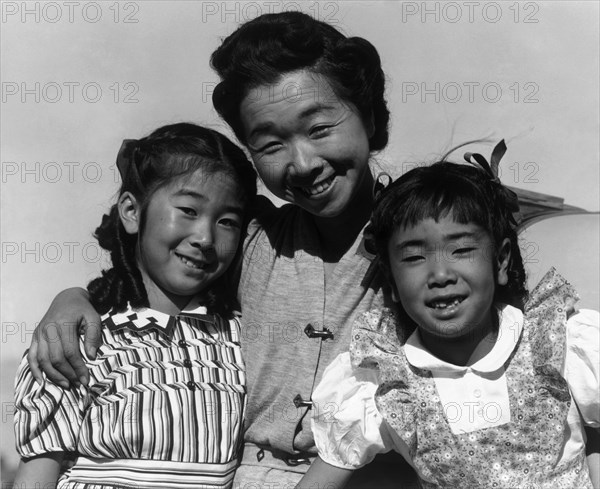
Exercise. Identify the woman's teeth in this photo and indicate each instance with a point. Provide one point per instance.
(319, 188)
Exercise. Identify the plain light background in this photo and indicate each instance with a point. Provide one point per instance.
(77, 79)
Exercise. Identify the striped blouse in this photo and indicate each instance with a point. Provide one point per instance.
(164, 406)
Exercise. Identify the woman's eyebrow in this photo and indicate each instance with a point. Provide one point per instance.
(266, 127)
(260, 129)
(315, 109)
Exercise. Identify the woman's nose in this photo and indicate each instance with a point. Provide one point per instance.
(304, 160)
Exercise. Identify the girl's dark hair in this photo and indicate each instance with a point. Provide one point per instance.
(264, 49)
(147, 165)
(465, 192)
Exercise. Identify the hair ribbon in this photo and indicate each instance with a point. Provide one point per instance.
(491, 168)
(382, 180)
(126, 156)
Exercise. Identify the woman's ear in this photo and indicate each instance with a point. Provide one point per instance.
(129, 212)
(502, 262)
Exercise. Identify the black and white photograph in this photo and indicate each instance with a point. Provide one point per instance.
(306, 244)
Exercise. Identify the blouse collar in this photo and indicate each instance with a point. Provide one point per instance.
(509, 332)
(146, 318)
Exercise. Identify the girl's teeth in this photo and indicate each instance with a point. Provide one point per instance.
(189, 263)
(444, 305)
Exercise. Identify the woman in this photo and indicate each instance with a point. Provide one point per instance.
(308, 103)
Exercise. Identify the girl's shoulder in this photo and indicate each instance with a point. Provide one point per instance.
(378, 342)
(582, 364)
(552, 287)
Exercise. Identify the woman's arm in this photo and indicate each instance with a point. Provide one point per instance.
(322, 475)
(41, 471)
(55, 344)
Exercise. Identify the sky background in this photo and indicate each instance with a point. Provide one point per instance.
(77, 79)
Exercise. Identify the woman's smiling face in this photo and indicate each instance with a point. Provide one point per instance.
(309, 147)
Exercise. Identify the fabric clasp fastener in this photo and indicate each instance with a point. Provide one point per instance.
(294, 462)
(299, 402)
(311, 332)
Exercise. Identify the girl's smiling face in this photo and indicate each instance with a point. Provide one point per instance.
(309, 147)
(189, 237)
(445, 276)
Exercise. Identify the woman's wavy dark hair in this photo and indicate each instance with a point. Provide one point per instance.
(264, 49)
(466, 193)
(147, 165)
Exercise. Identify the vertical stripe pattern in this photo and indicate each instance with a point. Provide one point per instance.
(161, 389)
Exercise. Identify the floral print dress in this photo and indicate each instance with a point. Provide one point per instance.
(525, 450)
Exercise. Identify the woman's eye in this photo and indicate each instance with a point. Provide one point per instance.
(230, 223)
(320, 131)
(188, 211)
(270, 148)
(463, 251)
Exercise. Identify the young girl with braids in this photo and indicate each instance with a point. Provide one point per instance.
(165, 402)
(493, 386)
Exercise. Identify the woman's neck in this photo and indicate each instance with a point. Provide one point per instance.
(339, 233)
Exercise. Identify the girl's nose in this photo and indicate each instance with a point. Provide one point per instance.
(203, 236)
(441, 273)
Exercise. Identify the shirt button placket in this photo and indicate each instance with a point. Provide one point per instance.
(312, 332)
(187, 362)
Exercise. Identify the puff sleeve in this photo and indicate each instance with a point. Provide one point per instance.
(348, 429)
(582, 364)
(47, 417)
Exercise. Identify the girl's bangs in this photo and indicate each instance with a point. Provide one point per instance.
(465, 203)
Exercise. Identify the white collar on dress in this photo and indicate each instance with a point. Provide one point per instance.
(509, 332)
(145, 318)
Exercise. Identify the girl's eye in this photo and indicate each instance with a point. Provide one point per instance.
(412, 258)
(463, 251)
(188, 211)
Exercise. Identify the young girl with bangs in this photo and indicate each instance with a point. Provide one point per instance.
(165, 403)
(494, 386)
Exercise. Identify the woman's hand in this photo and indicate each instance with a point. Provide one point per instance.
(55, 344)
